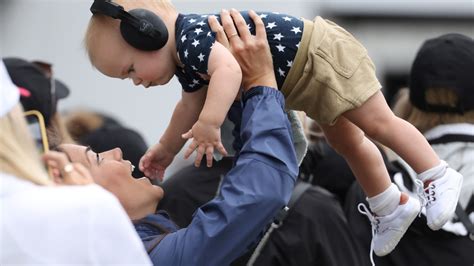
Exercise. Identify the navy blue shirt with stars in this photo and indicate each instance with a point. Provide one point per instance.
(194, 41)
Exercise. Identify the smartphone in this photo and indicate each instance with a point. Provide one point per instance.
(38, 130)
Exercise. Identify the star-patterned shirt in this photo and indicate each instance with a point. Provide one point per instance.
(194, 41)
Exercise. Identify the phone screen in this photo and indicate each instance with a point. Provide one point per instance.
(38, 130)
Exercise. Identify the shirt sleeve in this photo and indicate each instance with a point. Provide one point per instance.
(194, 45)
(251, 194)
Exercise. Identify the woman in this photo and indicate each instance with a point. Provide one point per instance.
(251, 194)
(48, 222)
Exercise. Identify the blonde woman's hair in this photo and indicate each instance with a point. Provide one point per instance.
(424, 121)
(100, 22)
(18, 153)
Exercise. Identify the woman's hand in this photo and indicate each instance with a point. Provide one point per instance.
(65, 172)
(251, 51)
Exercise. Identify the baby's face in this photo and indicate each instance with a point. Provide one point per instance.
(116, 58)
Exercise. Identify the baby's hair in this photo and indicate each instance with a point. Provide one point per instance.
(100, 22)
(97, 23)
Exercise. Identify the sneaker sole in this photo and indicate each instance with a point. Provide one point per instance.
(391, 245)
(435, 226)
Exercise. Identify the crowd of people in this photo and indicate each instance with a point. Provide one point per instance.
(287, 188)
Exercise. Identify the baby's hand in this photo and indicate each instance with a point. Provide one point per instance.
(155, 161)
(206, 137)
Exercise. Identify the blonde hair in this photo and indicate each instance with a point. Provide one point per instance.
(18, 153)
(100, 22)
(424, 121)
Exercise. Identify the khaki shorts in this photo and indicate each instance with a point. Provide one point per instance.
(332, 73)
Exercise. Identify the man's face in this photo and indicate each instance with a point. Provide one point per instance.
(110, 171)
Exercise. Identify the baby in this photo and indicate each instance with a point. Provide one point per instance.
(320, 68)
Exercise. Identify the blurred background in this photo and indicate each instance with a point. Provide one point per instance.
(52, 30)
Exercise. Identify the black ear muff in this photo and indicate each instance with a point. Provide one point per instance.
(140, 28)
(151, 33)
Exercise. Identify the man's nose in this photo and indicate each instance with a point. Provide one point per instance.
(117, 153)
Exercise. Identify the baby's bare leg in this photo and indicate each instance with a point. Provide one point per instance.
(361, 154)
(378, 122)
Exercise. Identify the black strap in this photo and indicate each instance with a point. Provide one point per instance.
(299, 189)
(452, 138)
(465, 221)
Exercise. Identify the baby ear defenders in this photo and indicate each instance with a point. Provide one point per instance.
(140, 28)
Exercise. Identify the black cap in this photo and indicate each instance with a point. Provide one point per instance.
(446, 62)
(35, 86)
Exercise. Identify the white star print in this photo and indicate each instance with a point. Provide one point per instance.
(277, 36)
(194, 68)
(195, 81)
(183, 38)
(186, 53)
(298, 45)
(280, 48)
(262, 16)
(296, 30)
(248, 26)
(287, 18)
(192, 20)
(201, 57)
(271, 25)
(289, 63)
(201, 23)
(208, 34)
(195, 43)
(282, 73)
(204, 16)
(197, 31)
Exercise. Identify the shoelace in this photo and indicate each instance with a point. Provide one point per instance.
(375, 227)
(426, 195)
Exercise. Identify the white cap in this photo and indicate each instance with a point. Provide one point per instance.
(9, 93)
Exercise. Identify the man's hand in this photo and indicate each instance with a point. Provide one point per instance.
(206, 137)
(155, 161)
(251, 51)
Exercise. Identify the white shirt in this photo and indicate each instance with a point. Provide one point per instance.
(64, 225)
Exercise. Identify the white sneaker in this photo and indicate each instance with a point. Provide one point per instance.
(441, 197)
(388, 230)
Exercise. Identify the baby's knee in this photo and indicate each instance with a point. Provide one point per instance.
(380, 126)
(345, 143)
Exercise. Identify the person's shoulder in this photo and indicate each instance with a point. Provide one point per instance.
(62, 201)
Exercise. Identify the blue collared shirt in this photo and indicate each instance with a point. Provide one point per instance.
(251, 194)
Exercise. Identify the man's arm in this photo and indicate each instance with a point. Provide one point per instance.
(251, 194)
